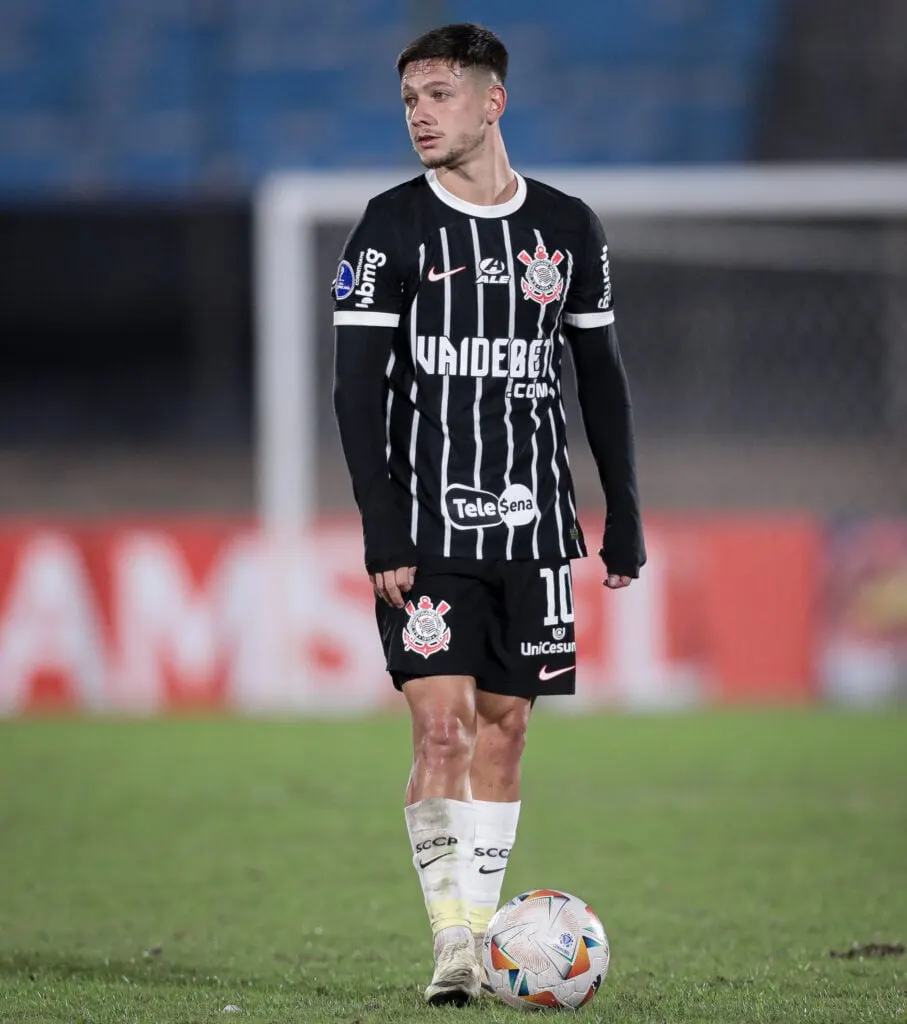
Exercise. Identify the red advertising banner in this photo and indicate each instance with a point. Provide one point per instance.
(175, 616)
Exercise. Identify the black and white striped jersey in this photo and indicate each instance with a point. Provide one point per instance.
(477, 297)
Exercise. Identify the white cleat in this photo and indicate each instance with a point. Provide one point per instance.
(479, 941)
(456, 979)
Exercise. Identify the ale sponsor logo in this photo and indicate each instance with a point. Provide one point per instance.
(493, 271)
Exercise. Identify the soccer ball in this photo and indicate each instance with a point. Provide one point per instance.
(545, 949)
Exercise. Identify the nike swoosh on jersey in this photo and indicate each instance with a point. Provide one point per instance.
(425, 863)
(545, 675)
(439, 275)
(491, 871)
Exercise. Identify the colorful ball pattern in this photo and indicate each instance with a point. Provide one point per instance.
(545, 949)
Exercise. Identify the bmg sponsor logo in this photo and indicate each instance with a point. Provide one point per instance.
(366, 273)
(467, 508)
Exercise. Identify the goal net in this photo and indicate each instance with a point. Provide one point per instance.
(762, 314)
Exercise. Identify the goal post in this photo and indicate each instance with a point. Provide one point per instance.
(290, 275)
(763, 319)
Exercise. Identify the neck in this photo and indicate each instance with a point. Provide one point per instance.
(486, 181)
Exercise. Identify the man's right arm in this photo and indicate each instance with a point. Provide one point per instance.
(368, 296)
(360, 359)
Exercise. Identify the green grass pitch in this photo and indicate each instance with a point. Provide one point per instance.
(162, 870)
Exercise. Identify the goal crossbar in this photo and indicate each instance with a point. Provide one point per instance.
(288, 275)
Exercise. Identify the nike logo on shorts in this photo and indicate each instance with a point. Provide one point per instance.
(545, 675)
(425, 863)
(436, 275)
(491, 871)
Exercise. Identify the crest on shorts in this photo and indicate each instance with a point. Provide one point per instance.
(426, 631)
(542, 281)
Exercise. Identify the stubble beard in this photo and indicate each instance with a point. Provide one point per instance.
(457, 155)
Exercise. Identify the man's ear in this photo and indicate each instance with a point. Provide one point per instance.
(497, 102)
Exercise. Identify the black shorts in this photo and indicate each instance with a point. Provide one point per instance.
(507, 623)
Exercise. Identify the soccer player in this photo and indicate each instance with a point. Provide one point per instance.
(453, 298)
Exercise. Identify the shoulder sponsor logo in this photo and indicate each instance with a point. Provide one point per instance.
(439, 275)
(366, 275)
(605, 301)
(344, 281)
(492, 271)
(467, 508)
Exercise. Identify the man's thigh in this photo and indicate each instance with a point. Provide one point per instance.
(442, 630)
(536, 644)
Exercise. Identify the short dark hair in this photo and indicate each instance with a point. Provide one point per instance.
(466, 44)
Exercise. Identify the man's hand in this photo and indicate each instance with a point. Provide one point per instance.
(391, 585)
(613, 582)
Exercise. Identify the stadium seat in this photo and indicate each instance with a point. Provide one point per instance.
(159, 94)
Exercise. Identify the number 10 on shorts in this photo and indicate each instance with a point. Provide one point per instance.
(559, 595)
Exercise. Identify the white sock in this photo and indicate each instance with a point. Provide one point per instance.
(495, 835)
(442, 834)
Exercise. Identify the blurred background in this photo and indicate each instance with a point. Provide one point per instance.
(767, 355)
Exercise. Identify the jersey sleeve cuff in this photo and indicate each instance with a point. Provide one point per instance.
(586, 320)
(353, 319)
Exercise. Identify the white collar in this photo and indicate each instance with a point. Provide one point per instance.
(474, 209)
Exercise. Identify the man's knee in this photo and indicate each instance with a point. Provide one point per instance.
(444, 719)
(444, 737)
(504, 732)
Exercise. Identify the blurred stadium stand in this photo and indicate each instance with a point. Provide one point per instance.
(838, 69)
(132, 133)
(152, 94)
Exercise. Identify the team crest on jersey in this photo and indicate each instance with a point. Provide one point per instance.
(426, 631)
(542, 281)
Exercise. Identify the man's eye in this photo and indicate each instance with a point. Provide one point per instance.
(440, 96)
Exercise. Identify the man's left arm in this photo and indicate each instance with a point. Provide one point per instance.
(604, 398)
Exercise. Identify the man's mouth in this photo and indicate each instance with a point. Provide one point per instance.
(426, 140)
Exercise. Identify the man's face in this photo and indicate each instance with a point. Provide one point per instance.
(446, 111)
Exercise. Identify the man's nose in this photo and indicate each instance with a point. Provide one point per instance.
(420, 114)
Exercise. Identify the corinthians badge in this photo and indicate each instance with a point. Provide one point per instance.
(426, 631)
(542, 281)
